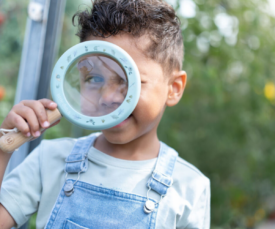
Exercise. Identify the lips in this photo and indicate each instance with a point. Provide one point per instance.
(123, 122)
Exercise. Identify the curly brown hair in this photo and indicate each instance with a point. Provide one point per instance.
(154, 18)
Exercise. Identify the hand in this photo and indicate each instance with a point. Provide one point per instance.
(29, 116)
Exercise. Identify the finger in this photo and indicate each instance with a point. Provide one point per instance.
(39, 110)
(28, 114)
(17, 121)
(47, 103)
(55, 123)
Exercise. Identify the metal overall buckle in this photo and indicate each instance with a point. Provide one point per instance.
(69, 186)
(150, 205)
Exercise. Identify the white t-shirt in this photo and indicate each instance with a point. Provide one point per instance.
(35, 185)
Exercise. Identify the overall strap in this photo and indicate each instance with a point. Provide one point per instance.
(77, 161)
(161, 178)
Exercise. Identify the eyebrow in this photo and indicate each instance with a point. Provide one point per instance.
(81, 65)
(111, 70)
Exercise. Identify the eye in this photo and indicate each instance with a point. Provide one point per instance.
(122, 81)
(94, 79)
(143, 80)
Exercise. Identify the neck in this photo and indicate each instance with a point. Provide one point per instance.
(144, 147)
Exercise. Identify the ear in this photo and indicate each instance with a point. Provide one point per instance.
(177, 85)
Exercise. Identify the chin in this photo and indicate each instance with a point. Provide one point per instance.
(118, 137)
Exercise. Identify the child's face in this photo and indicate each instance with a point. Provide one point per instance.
(103, 85)
(156, 88)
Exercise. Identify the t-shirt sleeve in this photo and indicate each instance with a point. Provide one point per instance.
(199, 217)
(21, 189)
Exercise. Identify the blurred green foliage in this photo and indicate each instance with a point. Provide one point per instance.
(11, 40)
(225, 123)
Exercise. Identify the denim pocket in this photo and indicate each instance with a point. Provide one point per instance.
(71, 225)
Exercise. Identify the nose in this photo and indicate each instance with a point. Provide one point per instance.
(113, 95)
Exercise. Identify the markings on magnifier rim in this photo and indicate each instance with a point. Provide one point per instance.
(103, 120)
(123, 60)
(62, 67)
(115, 116)
(69, 58)
(76, 116)
(90, 121)
(120, 111)
(86, 48)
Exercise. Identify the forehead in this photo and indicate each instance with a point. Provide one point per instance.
(100, 63)
(136, 48)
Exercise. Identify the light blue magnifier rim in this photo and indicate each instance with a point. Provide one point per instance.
(107, 49)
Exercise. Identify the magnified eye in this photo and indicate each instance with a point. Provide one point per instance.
(94, 79)
(122, 81)
(96, 85)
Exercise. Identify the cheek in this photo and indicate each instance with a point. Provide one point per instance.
(89, 103)
(89, 98)
(151, 103)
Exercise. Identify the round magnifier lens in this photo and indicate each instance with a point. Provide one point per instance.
(95, 85)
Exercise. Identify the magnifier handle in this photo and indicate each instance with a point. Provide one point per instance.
(12, 141)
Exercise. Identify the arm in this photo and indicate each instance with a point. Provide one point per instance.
(6, 221)
(4, 159)
(27, 117)
(199, 215)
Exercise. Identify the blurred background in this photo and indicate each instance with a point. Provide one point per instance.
(225, 123)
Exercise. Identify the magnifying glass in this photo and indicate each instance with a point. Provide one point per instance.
(96, 86)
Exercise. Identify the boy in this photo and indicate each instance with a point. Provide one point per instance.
(132, 180)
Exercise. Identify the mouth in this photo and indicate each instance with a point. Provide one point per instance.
(123, 122)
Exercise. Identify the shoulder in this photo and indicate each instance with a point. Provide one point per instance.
(189, 180)
(52, 153)
(190, 184)
(185, 170)
(59, 149)
(189, 196)
(57, 144)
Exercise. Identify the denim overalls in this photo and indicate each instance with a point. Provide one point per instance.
(81, 205)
